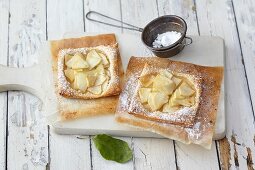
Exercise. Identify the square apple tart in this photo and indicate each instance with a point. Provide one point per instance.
(87, 74)
(174, 99)
(166, 96)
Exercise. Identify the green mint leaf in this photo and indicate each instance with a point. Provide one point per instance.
(113, 149)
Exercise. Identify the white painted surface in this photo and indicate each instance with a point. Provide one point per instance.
(215, 18)
(4, 16)
(69, 152)
(66, 152)
(27, 131)
(245, 14)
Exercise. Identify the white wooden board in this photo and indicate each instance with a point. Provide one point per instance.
(204, 51)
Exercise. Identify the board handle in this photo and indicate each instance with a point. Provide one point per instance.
(23, 79)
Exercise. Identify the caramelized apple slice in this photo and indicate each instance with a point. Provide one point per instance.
(146, 80)
(192, 100)
(91, 72)
(77, 62)
(107, 72)
(100, 79)
(100, 69)
(93, 59)
(95, 89)
(176, 80)
(67, 57)
(78, 70)
(173, 101)
(91, 79)
(169, 109)
(105, 85)
(104, 59)
(163, 84)
(184, 102)
(80, 82)
(156, 100)
(166, 74)
(186, 90)
(188, 101)
(69, 73)
(177, 94)
(143, 94)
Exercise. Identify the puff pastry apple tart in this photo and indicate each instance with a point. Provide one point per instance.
(87, 74)
(166, 96)
(175, 99)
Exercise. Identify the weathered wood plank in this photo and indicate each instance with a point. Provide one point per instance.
(139, 13)
(196, 157)
(147, 152)
(217, 18)
(63, 17)
(4, 17)
(153, 153)
(185, 9)
(112, 10)
(189, 155)
(66, 152)
(69, 152)
(245, 14)
(104, 7)
(27, 132)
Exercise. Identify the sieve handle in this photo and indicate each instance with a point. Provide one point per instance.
(190, 41)
(131, 27)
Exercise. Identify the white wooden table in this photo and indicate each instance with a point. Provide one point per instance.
(27, 143)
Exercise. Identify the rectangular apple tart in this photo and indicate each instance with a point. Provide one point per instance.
(175, 99)
(87, 74)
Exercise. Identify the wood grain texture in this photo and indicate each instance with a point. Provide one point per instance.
(196, 157)
(27, 131)
(245, 14)
(147, 151)
(27, 138)
(64, 16)
(112, 10)
(217, 18)
(139, 13)
(66, 152)
(151, 153)
(69, 152)
(185, 9)
(189, 155)
(4, 17)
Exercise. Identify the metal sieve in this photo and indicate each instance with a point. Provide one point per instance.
(151, 30)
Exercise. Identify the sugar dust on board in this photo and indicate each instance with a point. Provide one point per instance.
(166, 39)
